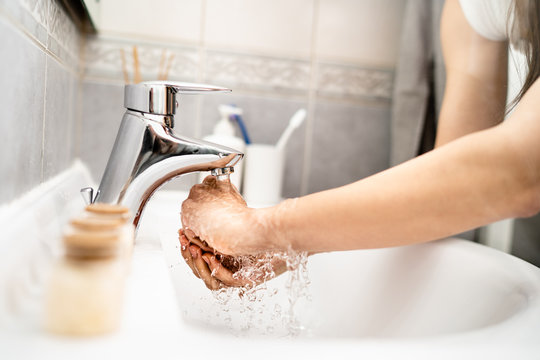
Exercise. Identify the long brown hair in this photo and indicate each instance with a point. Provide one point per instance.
(524, 33)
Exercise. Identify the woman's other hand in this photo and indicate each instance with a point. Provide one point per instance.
(218, 270)
(217, 213)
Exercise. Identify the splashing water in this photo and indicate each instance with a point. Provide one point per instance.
(275, 307)
(297, 289)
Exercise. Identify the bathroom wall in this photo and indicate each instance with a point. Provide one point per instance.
(334, 57)
(38, 93)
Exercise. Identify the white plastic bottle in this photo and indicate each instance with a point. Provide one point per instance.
(224, 134)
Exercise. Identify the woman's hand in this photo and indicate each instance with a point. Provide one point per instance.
(218, 214)
(218, 270)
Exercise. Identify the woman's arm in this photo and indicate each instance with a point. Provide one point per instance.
(477, 179)
(476, 78)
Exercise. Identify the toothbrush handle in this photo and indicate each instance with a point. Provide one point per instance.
(284, 137)
(243, 129)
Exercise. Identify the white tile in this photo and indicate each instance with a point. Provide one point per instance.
(167, 19)
(360, 31)
(278, 26)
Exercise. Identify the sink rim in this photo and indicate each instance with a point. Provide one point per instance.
(526, 321)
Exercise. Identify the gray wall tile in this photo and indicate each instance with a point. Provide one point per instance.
(22, 70)
(76, 119)
(526, 239)
(350, 142)
(292, 183)
(265, 117)
(102, 108)
(59, 119)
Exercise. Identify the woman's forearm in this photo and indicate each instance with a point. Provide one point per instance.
(477, 179)
(473, 181)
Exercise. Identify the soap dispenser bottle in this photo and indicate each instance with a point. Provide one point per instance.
(224, 134)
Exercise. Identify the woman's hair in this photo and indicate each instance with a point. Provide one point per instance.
(524, 33)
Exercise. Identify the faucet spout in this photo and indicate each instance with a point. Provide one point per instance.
(147, 153)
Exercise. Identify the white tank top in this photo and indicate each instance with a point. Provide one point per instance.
(487, 17)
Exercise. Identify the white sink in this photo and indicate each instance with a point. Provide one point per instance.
(443, 300)
(445, 293)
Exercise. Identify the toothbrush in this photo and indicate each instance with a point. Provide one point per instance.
(238, 118)
(296, 120)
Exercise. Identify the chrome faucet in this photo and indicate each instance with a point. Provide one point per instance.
(147, 153)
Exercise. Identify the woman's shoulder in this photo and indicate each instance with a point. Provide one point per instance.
(488, 17)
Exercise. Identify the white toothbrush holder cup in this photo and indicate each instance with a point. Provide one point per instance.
(263, 174)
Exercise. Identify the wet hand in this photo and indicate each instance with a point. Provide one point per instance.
(218, 270)
(217, 213)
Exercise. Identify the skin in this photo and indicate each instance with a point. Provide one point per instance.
(482, 170)
(207, 264)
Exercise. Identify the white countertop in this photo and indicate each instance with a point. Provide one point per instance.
(152, 327)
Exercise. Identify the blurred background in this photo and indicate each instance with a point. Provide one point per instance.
(369, 73)
(334, 58)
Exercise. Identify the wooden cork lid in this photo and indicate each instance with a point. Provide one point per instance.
(96, 223)
(80, 243)
(103, 208)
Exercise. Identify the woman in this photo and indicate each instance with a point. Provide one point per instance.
(482, 170)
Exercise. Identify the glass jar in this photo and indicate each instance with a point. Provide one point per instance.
(85, 288)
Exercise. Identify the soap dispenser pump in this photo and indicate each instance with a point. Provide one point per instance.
(224, 134)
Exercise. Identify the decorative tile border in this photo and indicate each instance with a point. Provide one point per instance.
(240, 71)
(22, 11)
(49, 24)
(264, 73)
(62, 29)
(102, 59)
(352, 82)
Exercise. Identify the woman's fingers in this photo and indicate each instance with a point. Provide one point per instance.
(202, 244)
(218, 271)
(194, 239)
(202, 267)
(189, 234)
(186, 254)
(221, 272)
(279, 266)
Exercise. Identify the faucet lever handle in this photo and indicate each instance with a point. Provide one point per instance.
(159, 97)
(187, 88)
(87, 194)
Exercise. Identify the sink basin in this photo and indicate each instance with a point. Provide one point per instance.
(446, 292)
(449, 299)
